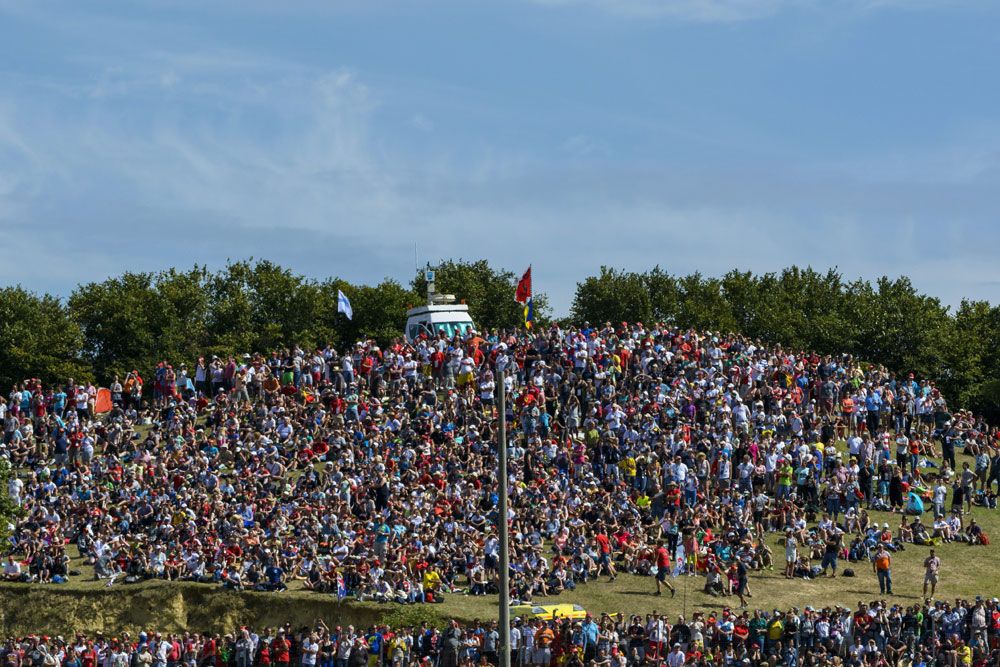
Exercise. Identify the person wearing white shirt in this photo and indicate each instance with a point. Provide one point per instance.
(310, 649)
(676, 658)
(14, 488)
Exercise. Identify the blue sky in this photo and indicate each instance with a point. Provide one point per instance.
(333, 136)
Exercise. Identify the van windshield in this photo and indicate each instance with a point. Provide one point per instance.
(446, 327)
(452, 328)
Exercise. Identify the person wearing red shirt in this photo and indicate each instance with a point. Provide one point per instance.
(281, 650)
(208, 657)
(88, 658)
(604, 561)
(663, 569)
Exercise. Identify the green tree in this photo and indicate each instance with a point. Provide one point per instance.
(230, 320)
(746, 304)
(39, 339)
(971, 353)
(904, 329)
(703, 304)
(138, 319)
(664, 295)
(260, 306)
(182, 296)
(612, 296)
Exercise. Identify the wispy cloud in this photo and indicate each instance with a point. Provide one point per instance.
(195, 150)
(291, 163)
(731, 11)
(687, 10)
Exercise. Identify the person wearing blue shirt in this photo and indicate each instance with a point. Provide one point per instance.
(382, 534)
(874, 405)
(375, 647)
(590, 631)
(275, 578)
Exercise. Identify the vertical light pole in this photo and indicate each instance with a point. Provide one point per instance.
(504, 553)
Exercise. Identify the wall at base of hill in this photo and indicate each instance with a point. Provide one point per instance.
(56, 609)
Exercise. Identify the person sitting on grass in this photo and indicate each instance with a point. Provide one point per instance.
(919, 533)
(13, 570)
(956, 528)
(975, 533)
(714, 585)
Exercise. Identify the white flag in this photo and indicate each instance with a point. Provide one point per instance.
(344, 305)
(680, 562)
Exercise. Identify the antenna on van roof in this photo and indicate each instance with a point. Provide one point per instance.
(431, 287)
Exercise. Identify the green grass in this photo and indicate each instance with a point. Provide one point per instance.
(966, 571)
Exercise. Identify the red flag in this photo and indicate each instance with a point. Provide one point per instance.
(523, 292)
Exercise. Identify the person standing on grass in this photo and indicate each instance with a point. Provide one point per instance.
(791, 553)
(742, 583)
(604, 560)
(663, 569)
(882, 567)
(931, 566)
(830, 552)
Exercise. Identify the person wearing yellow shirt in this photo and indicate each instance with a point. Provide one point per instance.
(628, 468)
(775, 629)
(432, 581)
(643, 502)
(964, 654)
(399, 649)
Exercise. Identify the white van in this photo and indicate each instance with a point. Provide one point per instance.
(441, 314)
(433, 319)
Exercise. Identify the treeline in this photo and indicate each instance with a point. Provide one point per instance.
(137, 319)
(887, 322)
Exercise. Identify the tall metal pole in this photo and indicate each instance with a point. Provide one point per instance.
(504, 552)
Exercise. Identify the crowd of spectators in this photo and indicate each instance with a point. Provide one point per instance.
(371, 472)
(876, 633)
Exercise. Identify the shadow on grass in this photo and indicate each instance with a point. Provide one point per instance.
(650, 593)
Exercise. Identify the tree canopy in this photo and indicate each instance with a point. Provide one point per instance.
(135, 320)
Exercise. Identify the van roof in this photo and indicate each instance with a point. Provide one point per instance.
(449, 308)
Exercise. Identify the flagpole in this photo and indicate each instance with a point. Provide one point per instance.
(504, 554)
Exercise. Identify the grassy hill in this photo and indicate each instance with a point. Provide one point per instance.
(87, 605)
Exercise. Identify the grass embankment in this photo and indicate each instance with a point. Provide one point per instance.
(87, 605)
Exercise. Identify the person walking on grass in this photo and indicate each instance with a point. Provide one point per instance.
(742, 583)
(882, 567)
(605, 561)
(932, 564)
(663, 569)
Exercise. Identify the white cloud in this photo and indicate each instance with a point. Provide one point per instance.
(687, 10)
(421, 122)
(730, 11)
(199, 155)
